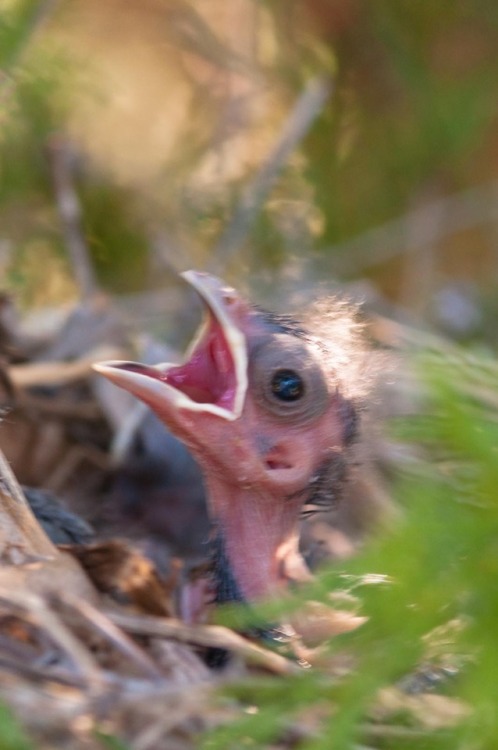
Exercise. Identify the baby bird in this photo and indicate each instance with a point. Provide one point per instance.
(268, 409)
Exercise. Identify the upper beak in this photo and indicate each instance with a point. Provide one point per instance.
(213, 377)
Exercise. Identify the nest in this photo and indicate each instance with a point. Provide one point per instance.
(91, 648)
(88, 649)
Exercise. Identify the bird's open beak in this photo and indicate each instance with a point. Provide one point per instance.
(213, 377)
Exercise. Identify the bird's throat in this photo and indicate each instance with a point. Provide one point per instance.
(260, 538)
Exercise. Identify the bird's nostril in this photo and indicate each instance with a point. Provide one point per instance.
(275, 464)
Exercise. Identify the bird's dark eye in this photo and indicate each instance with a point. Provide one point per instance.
(286, 379)
(287, 385)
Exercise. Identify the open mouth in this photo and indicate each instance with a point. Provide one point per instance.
(213, 377)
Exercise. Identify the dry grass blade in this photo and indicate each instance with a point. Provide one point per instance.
(34, 674)
(68, 205)
(18, 526)
(60, 373)
(308, 106)
(35, 608)
(60, 408)
(209, 636)
(152, 734)
(462, 212)
(113, 634)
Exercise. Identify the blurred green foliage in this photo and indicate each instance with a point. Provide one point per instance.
(412, 117)
(12, 736)
(415, 105)
(111, 231)
(109, 742)
(428, 588)
(15, 30)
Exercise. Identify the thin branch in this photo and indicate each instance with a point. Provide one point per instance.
(61, 373)
(211, 636)
(308, 106)
(397, 732)
(35, 674)
(68, 206)
(166, 251)
(460, 212)
(35, 607)
(18, 526)
(117, 637)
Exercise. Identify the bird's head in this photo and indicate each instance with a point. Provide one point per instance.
(258, 401)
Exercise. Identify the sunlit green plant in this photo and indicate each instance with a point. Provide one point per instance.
(437, 604)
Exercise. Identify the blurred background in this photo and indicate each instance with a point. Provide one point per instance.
(295, 149)
(292, 148)
(158, 118)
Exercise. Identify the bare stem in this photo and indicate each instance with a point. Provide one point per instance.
(68, 206)
(18, 526)
(309, 104)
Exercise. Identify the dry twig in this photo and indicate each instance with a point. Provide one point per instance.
(308, 106)
(210, 636)
(18, 526)
(448, 215)
(36, 609)
(68, 205)
(119, 640)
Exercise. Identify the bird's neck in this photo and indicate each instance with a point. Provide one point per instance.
(259, 533)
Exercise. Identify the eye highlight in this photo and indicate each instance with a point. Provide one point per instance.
(287, 385)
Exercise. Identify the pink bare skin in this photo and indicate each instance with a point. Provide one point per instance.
(261, 415)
